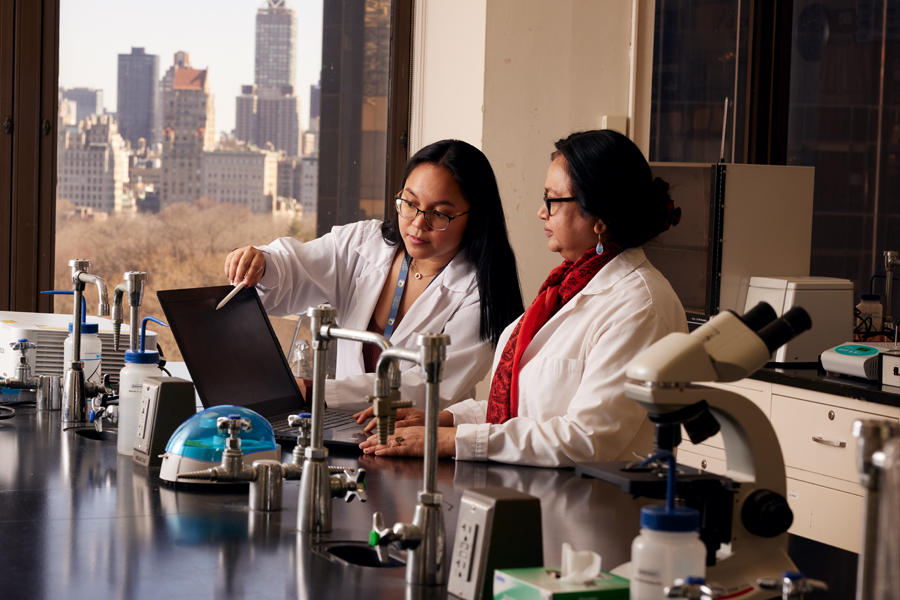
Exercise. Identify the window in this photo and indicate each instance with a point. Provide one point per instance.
(182, 217)
(825, 97)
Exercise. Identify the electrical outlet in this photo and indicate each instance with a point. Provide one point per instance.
(462, 563)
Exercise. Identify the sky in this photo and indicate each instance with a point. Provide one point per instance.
(218, 34)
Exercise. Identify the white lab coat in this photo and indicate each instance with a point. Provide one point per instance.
(348, 268)
(572, 404)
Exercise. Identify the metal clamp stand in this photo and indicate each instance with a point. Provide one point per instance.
(793, 585)
(318, 484)
(75, 393)
(871, 436)
(425, 538)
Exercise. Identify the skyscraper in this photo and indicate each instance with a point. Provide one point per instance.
(87, 102)
(138, 99)
(276, 45)
(188, 131)
(269, 111)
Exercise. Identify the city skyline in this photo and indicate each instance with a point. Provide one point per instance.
(168, 27)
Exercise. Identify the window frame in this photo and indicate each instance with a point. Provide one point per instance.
(29, 79)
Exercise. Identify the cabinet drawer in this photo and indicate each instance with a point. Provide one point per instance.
(825, 515)
(702, 462)
(817, 437)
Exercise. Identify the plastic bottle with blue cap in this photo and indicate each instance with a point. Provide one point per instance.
(91, 344)
(669, 546)
(139, 365)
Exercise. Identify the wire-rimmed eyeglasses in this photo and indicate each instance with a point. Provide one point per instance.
(435, 220)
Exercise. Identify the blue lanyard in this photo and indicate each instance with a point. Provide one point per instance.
(398, 294)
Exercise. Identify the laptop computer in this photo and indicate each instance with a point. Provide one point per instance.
(234, 357)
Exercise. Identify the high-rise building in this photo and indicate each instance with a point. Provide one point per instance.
(278, 120)
(137, 107)
(87, 102)
(245, 115)
(276, 45)
(268, 113)
(92, 165)
(241, 175)
(188, 131)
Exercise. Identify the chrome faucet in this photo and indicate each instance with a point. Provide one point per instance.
(318, 484)
(871, 436)
(425, 538)
(76, 390)
(793, 584)
(891, 260)
(133, 286)
(232, 468)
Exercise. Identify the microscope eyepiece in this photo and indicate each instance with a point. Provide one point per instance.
(781, 331)
(759, 316)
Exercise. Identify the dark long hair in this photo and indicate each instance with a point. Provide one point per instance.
(611, 180)
(485, 243)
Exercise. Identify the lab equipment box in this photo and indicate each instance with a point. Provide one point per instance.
(829, 302)
(541, 583)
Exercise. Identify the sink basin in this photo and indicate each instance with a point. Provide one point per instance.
(92, 434)
(359, 554)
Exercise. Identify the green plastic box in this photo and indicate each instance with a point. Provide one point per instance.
(542, 583)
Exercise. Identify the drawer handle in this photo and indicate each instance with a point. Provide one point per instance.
(823, 441)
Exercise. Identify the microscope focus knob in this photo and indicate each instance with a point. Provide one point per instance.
(766, 513)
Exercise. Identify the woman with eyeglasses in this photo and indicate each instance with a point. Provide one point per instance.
(557, 390)
(440, 263)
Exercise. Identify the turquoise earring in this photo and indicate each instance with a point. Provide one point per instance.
(599, 246)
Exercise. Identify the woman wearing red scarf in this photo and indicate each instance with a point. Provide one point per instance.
(557, 390)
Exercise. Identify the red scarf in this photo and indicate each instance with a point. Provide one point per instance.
(563, 283)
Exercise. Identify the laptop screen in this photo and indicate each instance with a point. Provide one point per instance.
(232, 354)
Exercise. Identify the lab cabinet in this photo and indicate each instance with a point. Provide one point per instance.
(815, 433)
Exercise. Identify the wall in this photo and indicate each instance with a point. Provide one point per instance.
(513, 76)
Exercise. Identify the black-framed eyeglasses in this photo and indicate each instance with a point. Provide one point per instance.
(435, 220)
(550, 201)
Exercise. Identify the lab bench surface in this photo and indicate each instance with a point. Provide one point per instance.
(79, 521)
(817, 380)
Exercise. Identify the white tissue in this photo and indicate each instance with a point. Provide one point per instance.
(579, 566)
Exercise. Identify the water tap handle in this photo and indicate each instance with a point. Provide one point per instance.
(380, 537)
(303, 421)
(694, 588)
(23, 346)
(793, 585)
(233, 424)
(353, 486)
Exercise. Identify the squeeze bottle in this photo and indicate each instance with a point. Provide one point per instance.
(139, 365)
(669, 546)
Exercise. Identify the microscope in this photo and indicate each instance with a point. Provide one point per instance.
(747, 508)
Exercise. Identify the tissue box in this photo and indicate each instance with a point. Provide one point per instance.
(542, 583)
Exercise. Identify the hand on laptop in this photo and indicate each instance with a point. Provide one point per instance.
(410, 441)
(406, 417)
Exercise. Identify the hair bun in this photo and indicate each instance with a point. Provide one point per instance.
(669, 215)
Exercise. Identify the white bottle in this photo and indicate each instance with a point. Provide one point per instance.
(667, 549)
(139, 365)
(870, 308)
(91, 351)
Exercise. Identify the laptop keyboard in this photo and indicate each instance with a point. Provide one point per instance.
(333, 418)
